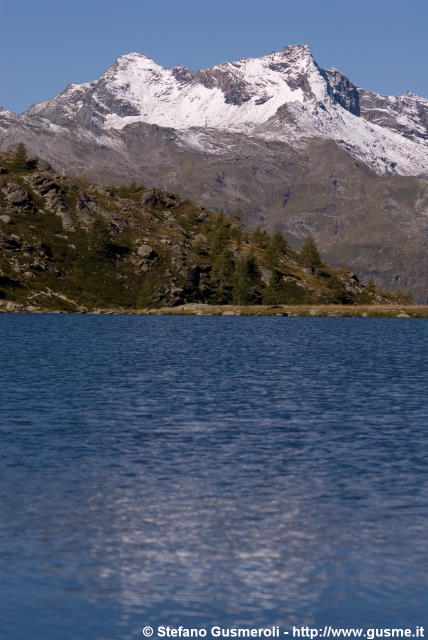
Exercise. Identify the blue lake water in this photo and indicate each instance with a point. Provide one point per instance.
(208, 470)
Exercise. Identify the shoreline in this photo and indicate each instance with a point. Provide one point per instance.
(196, 309)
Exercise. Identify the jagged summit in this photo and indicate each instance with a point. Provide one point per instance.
(234, 95)
(297, 47)
(133, 59)
(291, 50)
(134, 55)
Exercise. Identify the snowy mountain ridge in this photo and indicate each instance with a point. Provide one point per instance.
(283, 96)
(229, 95)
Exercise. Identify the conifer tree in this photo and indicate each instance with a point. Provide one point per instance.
(220, 235)
(245, 278)
(309, 256)
(259, 237)
(275, 250)
(222, 273)
(274, 292)
(20, 160)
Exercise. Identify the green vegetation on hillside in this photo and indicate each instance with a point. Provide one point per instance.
(66, 244)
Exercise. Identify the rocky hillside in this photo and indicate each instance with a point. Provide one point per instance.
(289, 145)
(67, 244)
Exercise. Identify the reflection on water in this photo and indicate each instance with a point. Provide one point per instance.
(211, 470)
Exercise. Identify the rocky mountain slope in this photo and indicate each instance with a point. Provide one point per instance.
(67, 244)
(288, 144)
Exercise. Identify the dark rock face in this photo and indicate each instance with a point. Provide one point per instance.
(193, 276)
(183, 74)
(343, 91)
(235, 91)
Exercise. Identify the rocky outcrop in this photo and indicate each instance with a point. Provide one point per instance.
(406, 115)
(16, 196)
(146, 251)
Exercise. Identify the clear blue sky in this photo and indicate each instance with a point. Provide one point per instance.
(45, 44)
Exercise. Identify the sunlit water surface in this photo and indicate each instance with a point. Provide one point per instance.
(205, 470)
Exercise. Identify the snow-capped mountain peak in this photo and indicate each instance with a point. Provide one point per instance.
(282, 96)
(230, 95)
